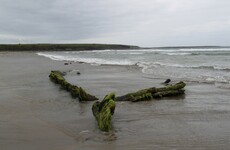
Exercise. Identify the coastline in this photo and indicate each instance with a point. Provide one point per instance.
(37, 114)
(62, 47)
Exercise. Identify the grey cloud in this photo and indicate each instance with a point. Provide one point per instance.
(144, 23)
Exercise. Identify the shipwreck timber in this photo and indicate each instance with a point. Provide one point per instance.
(154, 93)
(141, 95)
(76, 92)
(103, 112)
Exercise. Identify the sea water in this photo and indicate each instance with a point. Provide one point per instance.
(206, 65)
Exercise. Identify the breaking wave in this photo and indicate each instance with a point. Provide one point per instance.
(126, 62)
(145, 65)
(170, 63)
(98, 61)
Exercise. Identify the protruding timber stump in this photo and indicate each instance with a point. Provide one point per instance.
(103, 112)
(151, 93)
(76, 92)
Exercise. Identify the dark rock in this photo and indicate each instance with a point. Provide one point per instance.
(63, 73)
(66, 63)
(167, 81)
(78, 73)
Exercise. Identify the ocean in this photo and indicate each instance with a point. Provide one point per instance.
(202, 65)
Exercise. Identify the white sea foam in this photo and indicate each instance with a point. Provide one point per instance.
(217, 79)
(103, 61)
(190, 50)
(142, 64)
(87, 60)
(152, 64)
(186, 51)
(204, 49)
(52, 56)
(177, 54)
(158, 63)
(169, 51)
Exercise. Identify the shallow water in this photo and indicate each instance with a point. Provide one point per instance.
(208, 65)
(37, 114)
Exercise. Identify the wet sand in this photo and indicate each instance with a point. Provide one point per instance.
(36, 114)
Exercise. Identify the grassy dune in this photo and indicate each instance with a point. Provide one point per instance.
(62, 47)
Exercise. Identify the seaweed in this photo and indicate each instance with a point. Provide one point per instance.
(103, 112)
(153, 92)
(76, 92)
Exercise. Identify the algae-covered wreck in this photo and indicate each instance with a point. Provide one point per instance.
(104, 110)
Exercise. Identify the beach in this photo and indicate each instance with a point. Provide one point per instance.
(36, 114)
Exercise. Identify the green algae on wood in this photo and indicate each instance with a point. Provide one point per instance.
(143, 97)
(177, 86)
(76, 92)
(153, 92)
(103, 112)
(136, 95)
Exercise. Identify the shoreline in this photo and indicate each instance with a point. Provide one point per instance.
(140, 66)
(36, 114)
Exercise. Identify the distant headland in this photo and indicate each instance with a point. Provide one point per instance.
(62, 47)
(87, 47)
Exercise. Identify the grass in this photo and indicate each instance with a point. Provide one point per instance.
(62, 47)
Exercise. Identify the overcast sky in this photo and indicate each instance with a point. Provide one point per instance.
(136, 22)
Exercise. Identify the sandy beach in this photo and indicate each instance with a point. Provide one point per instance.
(36, 114)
